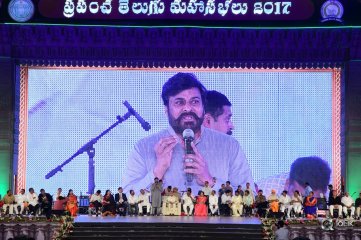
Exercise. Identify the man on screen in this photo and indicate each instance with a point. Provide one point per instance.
(218, 112)
(216, 159)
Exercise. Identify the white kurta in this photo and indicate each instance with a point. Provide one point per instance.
(285, 204)
(188, 203)
(213, 203)
(237, 205)
(297, 204)
(248, 200)
(132, 200)
(171, 206)
(226, 199)
(95, 197)
(143, 200)
(33, 199)
(21, 200)
(348, 204)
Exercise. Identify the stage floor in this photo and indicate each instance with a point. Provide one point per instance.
(168, 219)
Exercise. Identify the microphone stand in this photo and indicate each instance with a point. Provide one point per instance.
(89, 148)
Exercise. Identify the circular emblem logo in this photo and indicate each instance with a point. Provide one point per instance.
(327, 224)
(332, 10)
(21, 10)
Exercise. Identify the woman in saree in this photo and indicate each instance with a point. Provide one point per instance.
(310, 205)
(200, 208)
(72, 203)
(108, 204)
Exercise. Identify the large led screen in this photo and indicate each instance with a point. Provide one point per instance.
(279, 116)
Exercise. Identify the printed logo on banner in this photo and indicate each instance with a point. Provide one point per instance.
(21, 10)
(332, 10)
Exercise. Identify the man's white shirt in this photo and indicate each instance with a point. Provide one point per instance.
(187, 200)
(213, 200)
(144, 198)
(33, 199)
(133, 199)
(285, 200)
(226, 199)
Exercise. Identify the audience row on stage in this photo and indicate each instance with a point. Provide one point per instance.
(169, 201)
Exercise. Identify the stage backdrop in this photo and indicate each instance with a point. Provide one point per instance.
(279, 115)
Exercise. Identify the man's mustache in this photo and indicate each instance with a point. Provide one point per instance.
(188, 114)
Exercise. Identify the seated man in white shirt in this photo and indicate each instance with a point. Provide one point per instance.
(188, 202)
(226, 203)
(296, 202)
(213, 203)
(96, 200)
(33, 201)
(22, 201)
(237, 205)
(348, 204)
(133, 203)
(248, 201)
(143, 201)
(285, 203)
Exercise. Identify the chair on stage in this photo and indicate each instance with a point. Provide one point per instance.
(322, 209)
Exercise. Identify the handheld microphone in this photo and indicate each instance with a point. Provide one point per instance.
(188, 136)
(145, 125)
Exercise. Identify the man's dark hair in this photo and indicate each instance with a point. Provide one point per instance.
(313, 169)
(246, 191)
(179, 83)
(280, 224)
(228, 182)
(99, 191)
(214, 103)
(120, 188)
